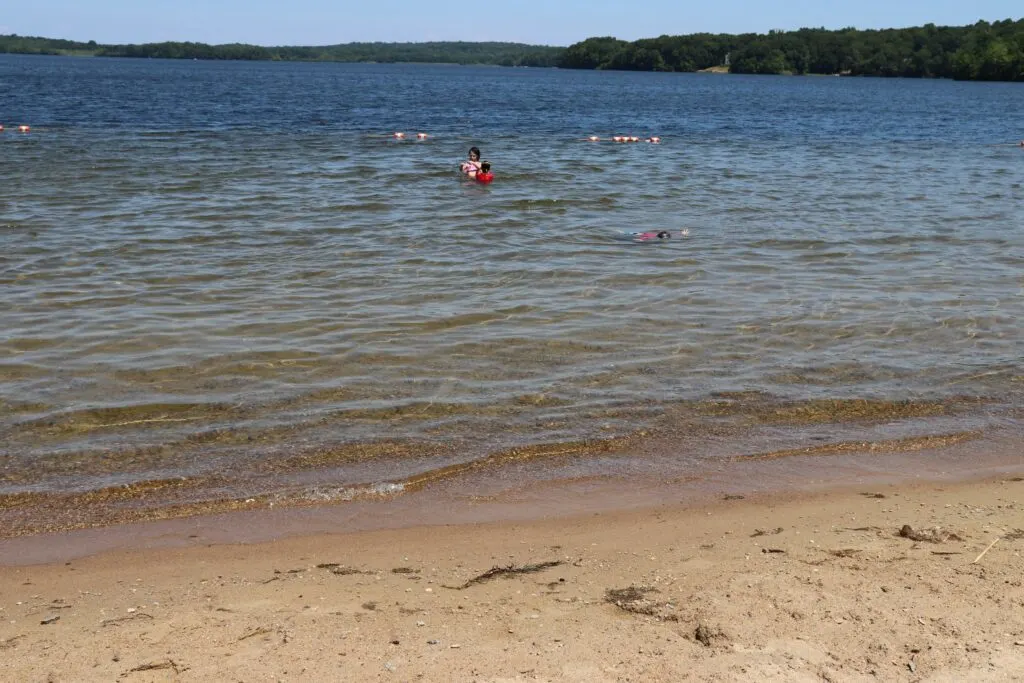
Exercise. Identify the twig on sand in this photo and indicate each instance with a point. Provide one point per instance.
(998, 538)
(261, 631)
(762, 532)
(130, 617)
(154, 666)
(340, 569)
(10, 642)
(510, 570)
(1014, 535)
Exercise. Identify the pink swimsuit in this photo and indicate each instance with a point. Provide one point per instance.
(646, 236)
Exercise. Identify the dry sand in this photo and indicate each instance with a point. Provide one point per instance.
(807, 588)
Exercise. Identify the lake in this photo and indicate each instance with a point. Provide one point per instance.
(229, 282)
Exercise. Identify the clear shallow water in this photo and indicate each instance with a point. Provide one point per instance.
(231, 272)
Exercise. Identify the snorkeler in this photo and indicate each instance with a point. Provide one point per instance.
(659, 235)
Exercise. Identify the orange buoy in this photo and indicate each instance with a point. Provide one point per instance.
(399, 136)
(594, 138)
(23, 129)
(618, 138)
(634, 139)
(421, 136)
(1, 128)
(654, 140)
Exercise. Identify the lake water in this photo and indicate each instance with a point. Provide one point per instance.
(228, 281)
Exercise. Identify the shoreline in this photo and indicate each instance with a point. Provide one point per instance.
(520, 486)
(794, 586)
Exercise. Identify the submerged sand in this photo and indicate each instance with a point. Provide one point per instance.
(800, 588)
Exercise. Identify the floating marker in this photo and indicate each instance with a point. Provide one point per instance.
(624, 138)
(399, 136)
(421, 136)
(23, 129)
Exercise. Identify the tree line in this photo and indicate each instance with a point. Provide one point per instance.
(494, 53)
(983, 51)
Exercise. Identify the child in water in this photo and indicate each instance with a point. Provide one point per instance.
(484, 175)
(471, 166)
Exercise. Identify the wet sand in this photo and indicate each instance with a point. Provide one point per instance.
(810, 586)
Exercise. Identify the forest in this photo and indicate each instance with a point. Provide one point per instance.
(983, 51)
(499, 54)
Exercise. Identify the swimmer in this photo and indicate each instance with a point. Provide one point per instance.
(471, 166)
(484, 175)
(656, 235)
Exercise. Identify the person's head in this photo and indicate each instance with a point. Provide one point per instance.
(474, 154)
(485, 167)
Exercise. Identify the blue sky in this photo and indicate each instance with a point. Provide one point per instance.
(552, 22)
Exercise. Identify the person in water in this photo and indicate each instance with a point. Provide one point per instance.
(471, 166)
(659, 235)
(484, 175)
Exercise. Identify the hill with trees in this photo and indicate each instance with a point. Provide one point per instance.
(984, 51)
(500, 54)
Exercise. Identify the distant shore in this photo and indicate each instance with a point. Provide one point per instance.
(979, 52)
(466, 53)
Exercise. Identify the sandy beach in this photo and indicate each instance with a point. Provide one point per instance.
(917, 582)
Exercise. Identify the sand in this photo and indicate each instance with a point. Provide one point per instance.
(812, 587)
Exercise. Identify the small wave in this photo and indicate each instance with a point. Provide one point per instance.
(823, 255)
(789, 244)
(115, 417)
(546, 203)
(346, 493)
(367, 207)
(768, 410)
(908, 444)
